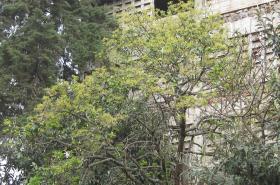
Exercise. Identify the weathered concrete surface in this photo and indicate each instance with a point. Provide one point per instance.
(240, 15)
(227, 6)
(121, 5)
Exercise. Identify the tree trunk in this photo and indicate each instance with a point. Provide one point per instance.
(180, 151)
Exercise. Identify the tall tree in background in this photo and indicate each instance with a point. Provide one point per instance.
(42, 41)
(30, 48)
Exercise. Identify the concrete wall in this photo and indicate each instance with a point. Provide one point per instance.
(239, 15)
(227, 6)
(120, 5)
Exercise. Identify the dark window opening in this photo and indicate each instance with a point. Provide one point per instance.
(163, 4)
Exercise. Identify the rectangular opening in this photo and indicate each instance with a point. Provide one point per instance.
(163, 4)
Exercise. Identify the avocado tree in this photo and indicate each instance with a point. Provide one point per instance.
(181, 49)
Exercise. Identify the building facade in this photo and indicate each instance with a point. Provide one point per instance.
(119, 6)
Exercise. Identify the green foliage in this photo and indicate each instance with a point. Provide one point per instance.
(245, 163)
(114, 126)
(175, 49)
(112, 122)
(28, 54)
(42, 41)
(75, 122)
(246, 149)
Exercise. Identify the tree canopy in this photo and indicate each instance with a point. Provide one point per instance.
(42, 41)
